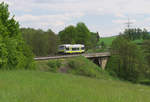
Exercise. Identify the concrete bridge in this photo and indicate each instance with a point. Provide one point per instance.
(98, 58)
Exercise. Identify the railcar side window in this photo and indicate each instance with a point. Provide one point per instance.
(67, 48)
(75, 49)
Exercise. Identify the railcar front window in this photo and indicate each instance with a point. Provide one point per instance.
(82, 48)
(61, 47)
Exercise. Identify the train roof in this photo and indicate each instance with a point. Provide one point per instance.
(73, 45)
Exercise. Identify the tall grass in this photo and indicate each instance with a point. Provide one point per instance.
(35, 86)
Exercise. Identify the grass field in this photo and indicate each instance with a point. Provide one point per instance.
(138, 41)
(35, 86)
(107, 40)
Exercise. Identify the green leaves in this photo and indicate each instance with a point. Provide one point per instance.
(78, 35)
(127, 60)
(12, 49)
(43, 43)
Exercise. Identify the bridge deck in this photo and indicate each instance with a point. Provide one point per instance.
(88, 55)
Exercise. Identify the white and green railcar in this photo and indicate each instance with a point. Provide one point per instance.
(71, 49)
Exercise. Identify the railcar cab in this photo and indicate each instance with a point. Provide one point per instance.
(71, 49)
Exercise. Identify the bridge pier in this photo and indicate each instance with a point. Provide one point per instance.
(102, 62)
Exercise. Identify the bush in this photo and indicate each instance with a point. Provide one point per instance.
(145, 82)
(54, 65)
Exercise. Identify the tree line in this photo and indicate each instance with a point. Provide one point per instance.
(136, 33)
(44, 43)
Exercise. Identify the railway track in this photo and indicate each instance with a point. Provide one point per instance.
(88, 55)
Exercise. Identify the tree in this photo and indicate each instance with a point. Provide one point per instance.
(78, 35)
(146, 47)
(127, 60)
(14, 53)
(68, 35)
(43, 43)
(94, 40)
(83, 34)
(134, 34)
(103, 44)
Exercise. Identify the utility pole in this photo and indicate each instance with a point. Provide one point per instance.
(128, 23)
(129, 27)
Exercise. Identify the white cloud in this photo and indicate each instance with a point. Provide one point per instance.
(47, 21)
(107, 6)
(57, 13)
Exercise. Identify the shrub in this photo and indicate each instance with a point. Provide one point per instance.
(54, 65)
(145, 82)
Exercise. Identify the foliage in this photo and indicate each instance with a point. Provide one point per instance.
(14, 53)
(79, 35)
(103, 44)
(145, 82)
(127, 60)
(36, 86)
(54, 65)
(134, 34)
(107, 40)
(68, 35)
(146, 47)
(43, 43)
(94, 40)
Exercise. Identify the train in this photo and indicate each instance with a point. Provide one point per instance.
(71, 49)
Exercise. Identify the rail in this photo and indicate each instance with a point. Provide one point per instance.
(88, 55)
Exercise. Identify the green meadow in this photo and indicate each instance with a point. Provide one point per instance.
(107, 40)
(36, 86)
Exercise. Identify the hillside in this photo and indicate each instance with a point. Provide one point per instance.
(108, 40)
(34, 86)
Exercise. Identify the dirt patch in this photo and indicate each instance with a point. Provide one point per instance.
(64, 68)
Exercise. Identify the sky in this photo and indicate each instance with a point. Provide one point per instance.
(108, 17)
